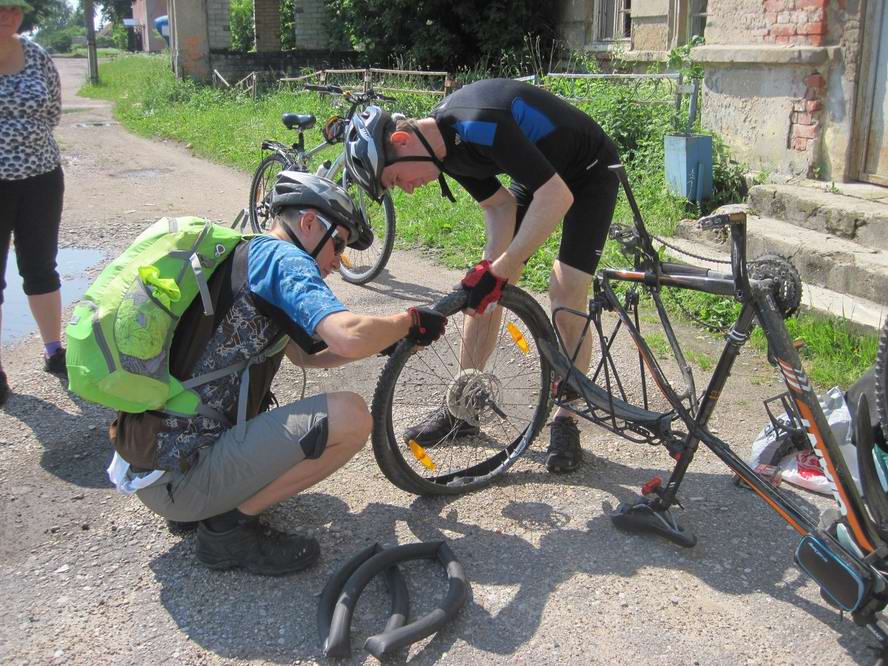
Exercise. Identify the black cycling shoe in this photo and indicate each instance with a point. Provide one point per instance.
(564, 453)
(439, 426)
(56, 363)
(259, 549)
(181, 527)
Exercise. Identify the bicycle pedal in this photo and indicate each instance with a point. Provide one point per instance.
(641, 516)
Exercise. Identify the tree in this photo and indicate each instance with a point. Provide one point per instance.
(43, 10)
(443, 33)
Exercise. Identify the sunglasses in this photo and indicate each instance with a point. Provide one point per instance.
(338, 243)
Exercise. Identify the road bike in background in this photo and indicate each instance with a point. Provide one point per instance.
(356, 266)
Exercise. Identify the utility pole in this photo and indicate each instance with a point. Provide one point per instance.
(91, 55)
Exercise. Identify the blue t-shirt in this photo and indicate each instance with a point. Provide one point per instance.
(287, 278)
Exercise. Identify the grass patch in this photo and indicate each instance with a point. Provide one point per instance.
(229, 128)
(704, 361)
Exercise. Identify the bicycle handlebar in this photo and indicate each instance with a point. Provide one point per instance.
(359, 98)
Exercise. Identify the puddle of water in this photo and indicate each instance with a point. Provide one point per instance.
(73, 262)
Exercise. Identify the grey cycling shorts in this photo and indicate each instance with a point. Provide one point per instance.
(230, 472)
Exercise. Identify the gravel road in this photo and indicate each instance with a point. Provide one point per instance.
(90, 577)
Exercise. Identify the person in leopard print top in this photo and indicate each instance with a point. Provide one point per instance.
(31, 179)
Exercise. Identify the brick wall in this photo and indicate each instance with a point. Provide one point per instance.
(267, 23)
(806, 114)
(272, 65)
(795, 22)
(218, 24)
(310, 24)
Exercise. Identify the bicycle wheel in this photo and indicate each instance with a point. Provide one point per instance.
(361, 266)
(260, 191)
(507, 399)
(882, 379)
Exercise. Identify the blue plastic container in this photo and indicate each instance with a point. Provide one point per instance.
(689, 165)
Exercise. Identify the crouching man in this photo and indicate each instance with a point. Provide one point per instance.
(205, 469)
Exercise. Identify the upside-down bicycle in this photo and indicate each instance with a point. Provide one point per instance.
(356, 266)
(508, 397)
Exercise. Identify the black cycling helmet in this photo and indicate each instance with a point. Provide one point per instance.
(295, 189)
(365, 140)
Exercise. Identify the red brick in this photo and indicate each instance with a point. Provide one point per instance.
(816, 28)
(785, 39)
(804, 118)
(816, 15)
(805, 131)
(774, 5)
(806, 4)
(799, 143)
(813, 106)
(770, 17)
(815, 80)
(816, 40)
(783, 29)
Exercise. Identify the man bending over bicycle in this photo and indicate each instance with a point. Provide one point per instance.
(557, 158)
(200, 469)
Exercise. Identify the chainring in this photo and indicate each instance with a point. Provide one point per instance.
(788, 283)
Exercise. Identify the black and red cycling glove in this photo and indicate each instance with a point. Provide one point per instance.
(427, 325)
(483, 287)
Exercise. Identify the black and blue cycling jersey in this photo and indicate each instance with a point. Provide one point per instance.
(500, 126)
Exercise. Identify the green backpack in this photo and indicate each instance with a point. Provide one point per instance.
(120, 335)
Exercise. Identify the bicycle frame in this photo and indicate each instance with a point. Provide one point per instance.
(865, 556)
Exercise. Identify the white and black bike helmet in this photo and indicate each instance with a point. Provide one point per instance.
(295, 189)
(365, 148)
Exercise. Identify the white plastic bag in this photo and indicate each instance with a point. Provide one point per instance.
(804, 468)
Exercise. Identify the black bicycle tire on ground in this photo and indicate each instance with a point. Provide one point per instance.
(881, 370)
(388, 449)
(258, 225)
(361, 277)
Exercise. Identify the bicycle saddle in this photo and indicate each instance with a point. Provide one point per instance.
(298, 121)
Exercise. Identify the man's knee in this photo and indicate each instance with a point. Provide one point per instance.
(348, 417)
(568, 286)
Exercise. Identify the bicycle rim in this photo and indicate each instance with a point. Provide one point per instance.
(507, 398)
(261, 189)
(362, 266)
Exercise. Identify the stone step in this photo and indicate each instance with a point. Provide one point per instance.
(822, 260)
(825, 209)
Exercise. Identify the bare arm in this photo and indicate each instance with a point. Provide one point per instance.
(550, 203)
(324, 359)
(352, 336)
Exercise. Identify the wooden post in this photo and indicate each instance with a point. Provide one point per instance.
(91, 55)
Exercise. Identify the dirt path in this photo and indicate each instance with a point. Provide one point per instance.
(88, 576)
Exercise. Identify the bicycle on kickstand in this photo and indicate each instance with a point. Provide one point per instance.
(505, 385)
(356, 266)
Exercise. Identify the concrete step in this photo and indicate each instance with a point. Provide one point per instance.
(825, 261)
(825, 209)
(862, 312)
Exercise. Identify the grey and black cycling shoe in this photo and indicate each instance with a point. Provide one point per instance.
(259, 549)
(438, 427)
(564, 453)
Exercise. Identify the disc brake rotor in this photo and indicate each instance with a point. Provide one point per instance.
(473, 396)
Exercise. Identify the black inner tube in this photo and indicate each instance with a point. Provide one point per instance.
(392, 640)
(394, 581)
